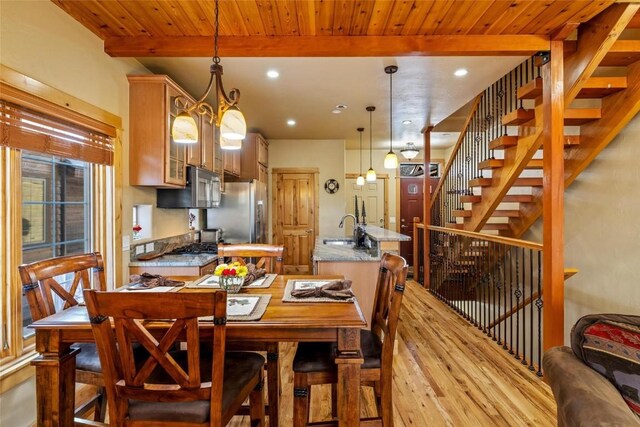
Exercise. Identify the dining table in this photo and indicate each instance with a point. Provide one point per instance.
(338, 322)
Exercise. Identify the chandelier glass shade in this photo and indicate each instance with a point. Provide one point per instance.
(390, 160)
(225, 115)
(410, 151)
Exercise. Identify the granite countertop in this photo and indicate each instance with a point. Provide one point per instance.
(186, 260)
(322, 252)
(384, 235)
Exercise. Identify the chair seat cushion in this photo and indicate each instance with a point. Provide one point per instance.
(610, 345)
(239, 369)
(320, 356)
(88, 358)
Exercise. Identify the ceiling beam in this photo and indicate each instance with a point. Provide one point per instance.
(329, 46)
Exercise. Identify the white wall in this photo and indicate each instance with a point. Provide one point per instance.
(602, 232)
(41, 41)
(328, 157)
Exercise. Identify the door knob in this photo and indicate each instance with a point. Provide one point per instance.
(308, 231)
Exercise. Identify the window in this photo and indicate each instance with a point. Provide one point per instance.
(55, 213)
(57, 198)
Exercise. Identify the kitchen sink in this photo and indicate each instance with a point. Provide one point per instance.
(338, 242)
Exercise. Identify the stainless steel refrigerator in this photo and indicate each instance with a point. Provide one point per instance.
(242, 214)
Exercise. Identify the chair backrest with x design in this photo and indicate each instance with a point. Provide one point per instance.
(40, 281)
(164, 376)
(270, 257)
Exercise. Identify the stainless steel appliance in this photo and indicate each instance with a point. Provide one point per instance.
(211, 235)
(242, 213)
(197, 248)
(202, 191)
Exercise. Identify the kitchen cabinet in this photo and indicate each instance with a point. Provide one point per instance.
(154, 158)
(203, 154)
(255, 158)
(231, 162)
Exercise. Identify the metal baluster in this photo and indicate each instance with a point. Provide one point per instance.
(518, 294)
(539, 306)
(510, 276)
(524, 317)
(531, 368)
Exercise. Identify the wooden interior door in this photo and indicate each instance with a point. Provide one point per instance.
(374, 196)
(295, 217)
(411, 206)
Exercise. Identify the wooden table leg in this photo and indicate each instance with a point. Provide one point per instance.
(349, 358)
(55, 380)
(273, 381)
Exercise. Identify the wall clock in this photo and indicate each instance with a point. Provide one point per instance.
(331, 186)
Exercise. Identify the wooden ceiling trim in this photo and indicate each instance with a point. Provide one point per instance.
(324, 17)
(306, 14)
(417, 15)
(460, 20)
(251, 18)
(378, 23)
(342, 14)
(319, 46)
(435, 16)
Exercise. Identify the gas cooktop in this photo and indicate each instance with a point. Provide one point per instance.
(196, 248)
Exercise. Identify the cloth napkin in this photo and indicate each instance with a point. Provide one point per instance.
(148, 281)
(338, 289)
(253, 274)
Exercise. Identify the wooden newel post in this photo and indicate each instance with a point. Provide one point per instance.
(553, 198)
(427, 205)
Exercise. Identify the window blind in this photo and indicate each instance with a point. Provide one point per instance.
(31, 130)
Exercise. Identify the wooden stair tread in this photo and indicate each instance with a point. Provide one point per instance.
(498, 163)
(569, 272)
(454, 225)
(595, 87)
(599, 87)
(508, 213)
(531, 90)
(480, 182)
(528, 182)
(518, 117)
(518, 198)
(470, 199)
(622, 54)
(580, 116)
(503, 142)
(458, 213)
(498, 227)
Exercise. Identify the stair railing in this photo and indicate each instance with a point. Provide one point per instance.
(493, 282)
(483, 125)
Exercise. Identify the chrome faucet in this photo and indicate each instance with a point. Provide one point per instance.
(357, 229)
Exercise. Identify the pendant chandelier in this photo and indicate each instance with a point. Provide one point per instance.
(371, 174)
(226, 115)
(390, 160)
(360, 180)
(410, 151)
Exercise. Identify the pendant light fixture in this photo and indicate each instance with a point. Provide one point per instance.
(390, 160)
(371, 174)
(360, 180)
(226, 115)
(410, 151)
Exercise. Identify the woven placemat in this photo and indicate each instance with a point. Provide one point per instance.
(290, 298)
(255, 314)
(208, 282)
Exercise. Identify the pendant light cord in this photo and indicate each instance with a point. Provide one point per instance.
(216, 58)
(390, 112)
(360, 131)
(370, 139)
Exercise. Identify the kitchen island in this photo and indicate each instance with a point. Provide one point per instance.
(335, 255)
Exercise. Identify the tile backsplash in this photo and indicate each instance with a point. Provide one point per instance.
(166, 244)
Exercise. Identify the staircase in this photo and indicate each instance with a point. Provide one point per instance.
(505, 196)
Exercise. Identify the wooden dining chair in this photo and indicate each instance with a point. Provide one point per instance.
(183, 387)
(314, 363)
(271, 258)
(46, 296)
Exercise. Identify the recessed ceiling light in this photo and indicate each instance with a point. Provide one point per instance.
(273, 74)
(291, 122)
(460, 72)
(336, 111)
(406, 122)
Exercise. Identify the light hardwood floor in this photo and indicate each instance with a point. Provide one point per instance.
(446, 373)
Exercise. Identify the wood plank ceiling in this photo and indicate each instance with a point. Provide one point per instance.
(137, 23)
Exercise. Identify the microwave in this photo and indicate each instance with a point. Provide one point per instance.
(202, 191)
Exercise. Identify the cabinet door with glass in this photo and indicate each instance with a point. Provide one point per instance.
(176, 160)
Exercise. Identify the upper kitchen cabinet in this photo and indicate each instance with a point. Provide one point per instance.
(231, 162)
(203, 154)
(154, 158)
(255, 157)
